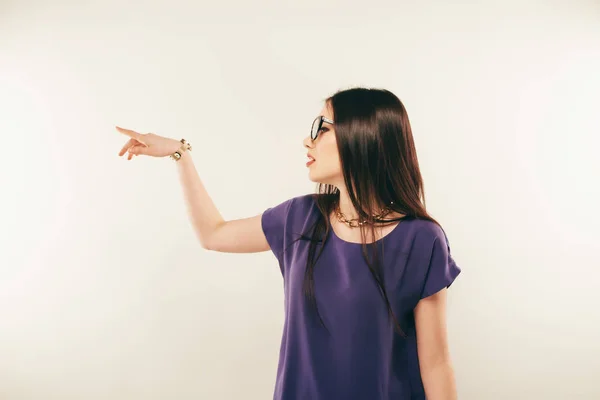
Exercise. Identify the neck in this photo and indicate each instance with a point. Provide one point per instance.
(346, 206)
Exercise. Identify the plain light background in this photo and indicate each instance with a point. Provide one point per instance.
(105, 292)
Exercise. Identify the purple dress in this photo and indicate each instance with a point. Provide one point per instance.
(362, 357)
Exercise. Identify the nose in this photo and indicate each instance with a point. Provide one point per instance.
(308, 143)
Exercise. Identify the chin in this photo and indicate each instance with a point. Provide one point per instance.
(314, 177)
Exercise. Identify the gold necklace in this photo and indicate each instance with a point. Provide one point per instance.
(354, 222)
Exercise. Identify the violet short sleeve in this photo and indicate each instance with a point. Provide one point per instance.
(273, 223)
(442, 269)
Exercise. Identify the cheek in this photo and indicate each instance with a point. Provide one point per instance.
(328, 148)
(330, 161)
(333, 163)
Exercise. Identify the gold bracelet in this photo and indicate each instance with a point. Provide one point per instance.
(185, 146)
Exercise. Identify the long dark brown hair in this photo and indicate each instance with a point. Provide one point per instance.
(380, 167)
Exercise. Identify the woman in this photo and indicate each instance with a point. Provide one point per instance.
(365, 268)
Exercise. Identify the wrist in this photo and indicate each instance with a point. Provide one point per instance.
(183, 148)
(176, 145)
(184, 156)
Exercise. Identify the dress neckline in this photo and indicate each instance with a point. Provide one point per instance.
(378, 241)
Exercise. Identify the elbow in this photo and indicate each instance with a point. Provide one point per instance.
(207, 240)
(436, 360)
(207, 245)
(441, 364)
(438, 380)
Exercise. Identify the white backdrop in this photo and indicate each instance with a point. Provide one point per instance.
(105, 292)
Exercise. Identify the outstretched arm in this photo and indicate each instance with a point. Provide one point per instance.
(214, 233)
(234, 236)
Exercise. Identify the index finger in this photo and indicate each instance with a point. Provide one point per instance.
(128, 132)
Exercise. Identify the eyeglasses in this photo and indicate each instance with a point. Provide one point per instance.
(317, 125)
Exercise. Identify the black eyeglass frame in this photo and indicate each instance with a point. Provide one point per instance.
(314, 133)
